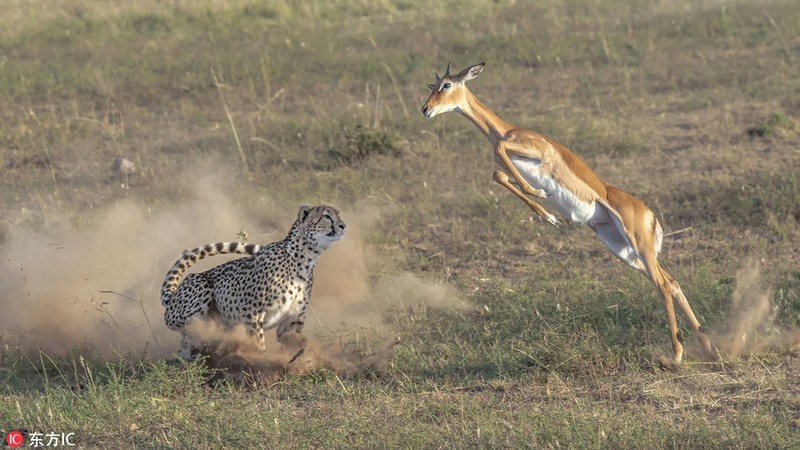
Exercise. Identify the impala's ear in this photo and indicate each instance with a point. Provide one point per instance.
(469, 73)
(430, 86)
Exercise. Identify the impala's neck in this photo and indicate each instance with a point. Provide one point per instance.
(490, 124)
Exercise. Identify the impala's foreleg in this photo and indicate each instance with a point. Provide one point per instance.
(502, 178)
(522, 186)
(503, 148)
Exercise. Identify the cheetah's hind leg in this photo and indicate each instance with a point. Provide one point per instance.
(187, 351)
(193, 300)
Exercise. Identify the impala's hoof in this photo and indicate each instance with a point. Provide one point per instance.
(552, 219)
(708, 348)
(667, 363)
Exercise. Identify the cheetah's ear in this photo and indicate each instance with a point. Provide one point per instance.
(303, 213)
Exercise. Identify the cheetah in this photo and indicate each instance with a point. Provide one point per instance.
(270, 287)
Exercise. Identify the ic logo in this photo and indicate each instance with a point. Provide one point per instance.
(14, 439)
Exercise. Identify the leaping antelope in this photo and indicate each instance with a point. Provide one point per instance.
(533, 165)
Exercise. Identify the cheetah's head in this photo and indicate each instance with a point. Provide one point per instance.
(321, 225)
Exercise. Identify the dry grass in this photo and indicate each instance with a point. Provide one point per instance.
(690, 106)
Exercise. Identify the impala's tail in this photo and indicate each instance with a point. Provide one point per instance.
(175, 274)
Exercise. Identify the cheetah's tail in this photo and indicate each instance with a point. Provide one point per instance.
(175, 273)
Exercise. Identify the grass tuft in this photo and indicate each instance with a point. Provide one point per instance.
(775, 122)
(353, 146)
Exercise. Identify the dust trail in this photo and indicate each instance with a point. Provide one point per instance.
(232, 354)
(348, 316)
(751, 327)
(97, 286)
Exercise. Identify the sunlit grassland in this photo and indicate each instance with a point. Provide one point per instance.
(692, 106)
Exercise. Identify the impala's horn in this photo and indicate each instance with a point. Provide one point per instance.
(430, 86)
(447, 71)
(437, 76)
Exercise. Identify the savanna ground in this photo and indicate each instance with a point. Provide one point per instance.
(511, 333)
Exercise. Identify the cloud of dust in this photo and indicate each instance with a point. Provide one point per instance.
(345, 306)
(233, 355)
(97, 287)
(751, 326)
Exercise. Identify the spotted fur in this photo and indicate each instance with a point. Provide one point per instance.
(175, 274)
(270, 287)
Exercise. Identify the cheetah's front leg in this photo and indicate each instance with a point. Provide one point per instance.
(290, 334)
(256, 331)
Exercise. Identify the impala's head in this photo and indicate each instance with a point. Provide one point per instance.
(448, 92)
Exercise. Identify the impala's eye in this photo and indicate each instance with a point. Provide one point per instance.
(446, 86)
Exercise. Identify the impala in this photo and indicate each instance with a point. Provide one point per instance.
(533, 166)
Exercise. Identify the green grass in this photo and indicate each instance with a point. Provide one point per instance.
(693, 107)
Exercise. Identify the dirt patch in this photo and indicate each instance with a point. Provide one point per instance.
(232, 356)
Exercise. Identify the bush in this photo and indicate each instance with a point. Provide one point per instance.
(353, 146)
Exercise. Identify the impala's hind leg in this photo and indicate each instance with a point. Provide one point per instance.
(631, 231)
(664, 286)
(677, 295)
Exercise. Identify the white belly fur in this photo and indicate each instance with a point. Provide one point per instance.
(291, 308)
(558, 198)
